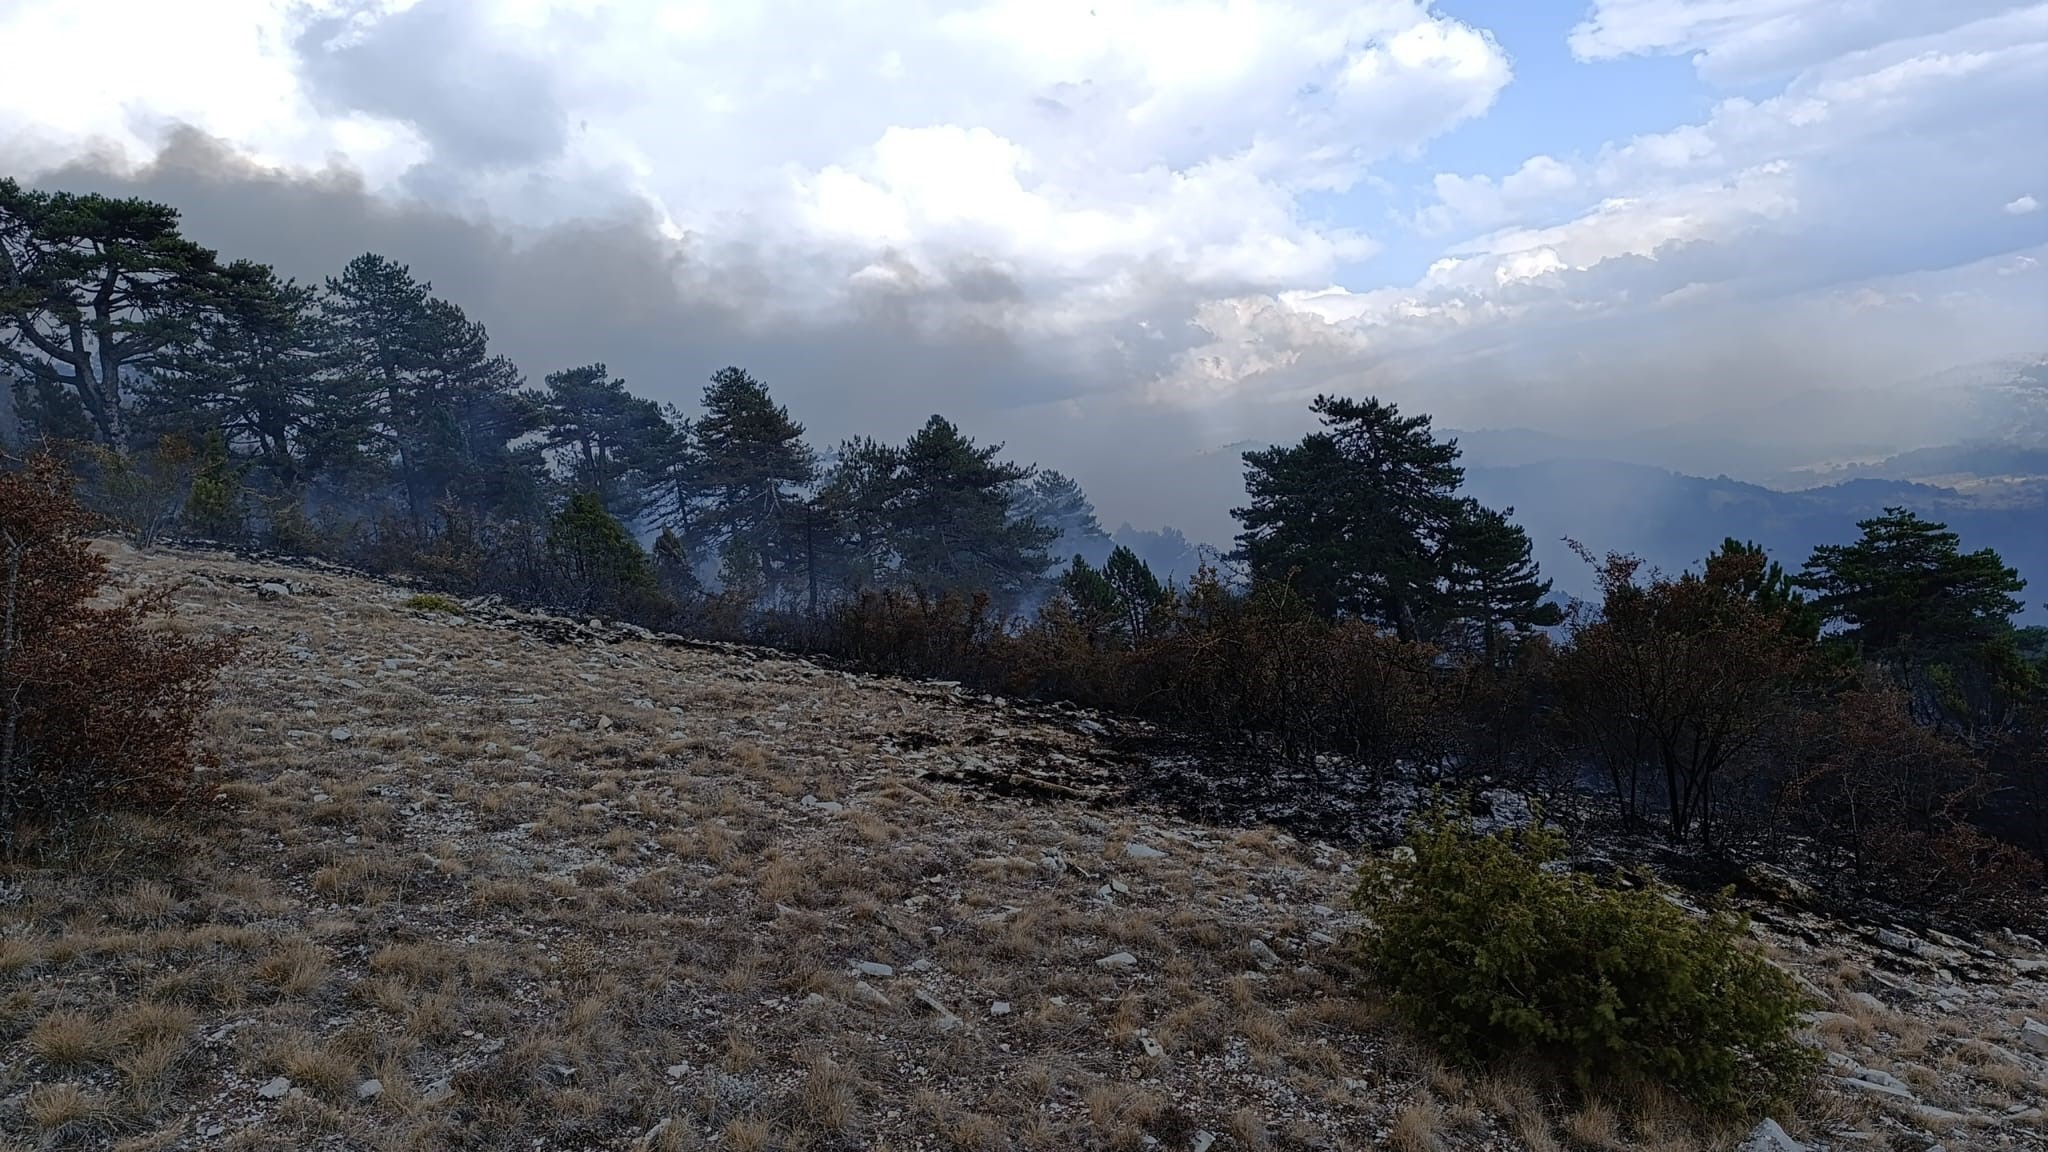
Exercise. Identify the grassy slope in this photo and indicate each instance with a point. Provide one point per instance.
(562, 895)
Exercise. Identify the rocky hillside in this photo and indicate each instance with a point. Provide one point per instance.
(475, 878)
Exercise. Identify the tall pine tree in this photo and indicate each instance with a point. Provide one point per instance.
(94, 292)
(606, 439)
(1364, 519)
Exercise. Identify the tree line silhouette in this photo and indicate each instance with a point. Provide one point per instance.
(1878, 702)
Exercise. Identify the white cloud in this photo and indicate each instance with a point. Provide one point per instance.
(1119, 179)
(1050, 137)
(1736, 40)
(2023, 206)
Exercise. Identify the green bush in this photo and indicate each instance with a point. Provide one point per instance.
(1490, 956)
(434, 602)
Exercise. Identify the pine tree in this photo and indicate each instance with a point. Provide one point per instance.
(1907, 588)
(421, 373)
(1752, 572)
(606, 439)
(258, 369)
(1056, 501)
(745, 473)
(1364, 519)
(946, 505)
(1490, 581)
(94, 291)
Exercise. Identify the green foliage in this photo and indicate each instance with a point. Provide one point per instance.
(256, 368)
(1491, 582)
(735, 481)
(599, 562)
(434, 602)
(605, 438)
(442, 411)
(1122, 599)
(1491, 956)
(1364, 519)
(935, 515)
(1906, 588)
(96, 291)
(214, 508)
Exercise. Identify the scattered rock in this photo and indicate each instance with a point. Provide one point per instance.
(1152, 1048)
(871, 995)
(678, 1071)
(870, 968)
(999, 1008)
(341, 735)
(1117, 960)
(2034, 1034)
(1137, 851)
(946, 1020)
(369, 1089)
(1203, 1140)
(1884, 1079)
(272, 590)
(276, 1089)
(1769, 1136)
(1872, 1086)
(1262, 953)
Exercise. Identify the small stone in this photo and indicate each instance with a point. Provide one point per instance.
(870, 968)
(946, 1020)
(1262, 953)
(1152, 1048)
(1203, 1140)
(272, 590)
(814, 999)
(1885, 1079)
(678, 1071)
(276, 1089)
(1138, 851)
(369, 1089)
(2034, 1034)
(1872, 1087)
(868, 993)
(1117, 960)
(341, 735)
(999, 1008)
(1770, 1136)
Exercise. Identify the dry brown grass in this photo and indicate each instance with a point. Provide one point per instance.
(527, 924)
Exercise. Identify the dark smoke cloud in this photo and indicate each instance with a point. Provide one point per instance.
(664, 314)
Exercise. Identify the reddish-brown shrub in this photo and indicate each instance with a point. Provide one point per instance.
(98, 704)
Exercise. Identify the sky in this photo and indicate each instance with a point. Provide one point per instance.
(1114, 232)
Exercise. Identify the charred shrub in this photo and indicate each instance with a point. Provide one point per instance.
(98, 703)
(1491, 956)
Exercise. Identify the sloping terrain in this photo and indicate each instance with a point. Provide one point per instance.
(485, 879)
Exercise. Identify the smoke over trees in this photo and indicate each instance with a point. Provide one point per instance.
(1375, 610)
